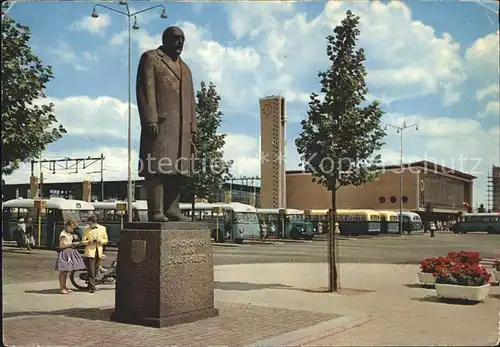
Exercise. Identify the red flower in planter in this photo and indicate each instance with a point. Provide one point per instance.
(428, 265)
(459, 268)
(465, 257)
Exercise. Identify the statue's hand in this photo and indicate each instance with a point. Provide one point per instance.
(153, 128)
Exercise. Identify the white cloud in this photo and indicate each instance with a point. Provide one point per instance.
(483, 68)
(492, 108)
(90, 56)
(244, 151)
(463, 144)
(97, 118)
(412, 61)
(66, 54)
(286, 47)
(106, 118)
(491, 90)
(115, 166)
(95, 26)
(482, 58)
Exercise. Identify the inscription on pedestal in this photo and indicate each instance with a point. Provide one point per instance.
(185, 252)
(138, 251)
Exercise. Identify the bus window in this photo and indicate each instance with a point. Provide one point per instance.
(245, 217)
(76, 215)
(109, 215)
(24, 213)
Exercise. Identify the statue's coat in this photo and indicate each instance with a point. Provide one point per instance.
(165, 94)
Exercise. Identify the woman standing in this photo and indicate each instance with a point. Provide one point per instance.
(68, 258)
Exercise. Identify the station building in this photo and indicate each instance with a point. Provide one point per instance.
(448, 191)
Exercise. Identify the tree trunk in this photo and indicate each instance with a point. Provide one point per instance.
(332, 264)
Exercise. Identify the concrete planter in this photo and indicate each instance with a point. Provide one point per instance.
(426, 278)
(451, 291)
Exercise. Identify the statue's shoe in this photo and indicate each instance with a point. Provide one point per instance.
(177, 217)
(159, 217)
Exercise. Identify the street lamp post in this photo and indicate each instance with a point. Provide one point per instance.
(400, 130)
(135, 26)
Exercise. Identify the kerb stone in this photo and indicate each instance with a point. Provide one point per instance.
(165, 274)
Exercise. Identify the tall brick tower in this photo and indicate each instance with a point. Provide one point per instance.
(272, 146)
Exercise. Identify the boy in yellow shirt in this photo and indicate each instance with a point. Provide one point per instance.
(95, 237)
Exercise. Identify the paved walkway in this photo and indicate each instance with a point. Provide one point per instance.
(266, 304)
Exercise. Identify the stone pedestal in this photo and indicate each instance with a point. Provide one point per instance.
(165, 274)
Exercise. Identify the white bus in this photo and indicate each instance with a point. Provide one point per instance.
(478, 222)
(295, 226)
(56, 212)
(411, 221)
(234, 221)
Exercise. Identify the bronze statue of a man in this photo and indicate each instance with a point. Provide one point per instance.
(166, 102)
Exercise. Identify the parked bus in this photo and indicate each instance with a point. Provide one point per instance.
(112, 217)
(236, 221)
(295, 227)
(478, 222)
(358, 222)
(318, 219)
(56, 212)
(411, 221)
(389, 222)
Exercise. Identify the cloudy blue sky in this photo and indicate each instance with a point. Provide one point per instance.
(431, 63)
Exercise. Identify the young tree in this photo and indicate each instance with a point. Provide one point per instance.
(342, 132)
(26, 128)
(210, 169)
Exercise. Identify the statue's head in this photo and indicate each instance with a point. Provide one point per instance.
(173, 41)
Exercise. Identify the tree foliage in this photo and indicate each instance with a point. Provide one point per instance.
(340, 136)
(27, 127)
(210, 169)
(342, 132)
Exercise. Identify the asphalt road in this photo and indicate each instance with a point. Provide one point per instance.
(39, 265)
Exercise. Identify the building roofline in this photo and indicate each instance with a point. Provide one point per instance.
(271, 97)
(424, 164)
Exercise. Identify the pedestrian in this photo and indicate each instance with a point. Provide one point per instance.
(433, 231)
(30, 234)
(20, 234)
(68, 258)
(94, 237)
(263, 230)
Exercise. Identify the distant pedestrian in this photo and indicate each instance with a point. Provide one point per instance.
(29, 234)
(433, 231)
(19, 234)
(263, 230)
(68, 258)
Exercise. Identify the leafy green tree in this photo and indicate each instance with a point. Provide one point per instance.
(210, 169)
(27, 128)
(342, 132)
